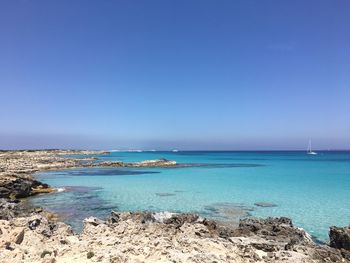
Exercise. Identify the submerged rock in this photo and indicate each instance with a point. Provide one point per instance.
(227, 213)
(265, 204)
(165, 194)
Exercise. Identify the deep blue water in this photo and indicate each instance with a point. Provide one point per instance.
(312, 190)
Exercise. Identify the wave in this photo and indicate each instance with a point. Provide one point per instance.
(61, 189)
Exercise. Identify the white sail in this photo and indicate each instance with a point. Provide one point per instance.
(309, 149)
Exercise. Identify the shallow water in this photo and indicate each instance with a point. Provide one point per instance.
(312, 190)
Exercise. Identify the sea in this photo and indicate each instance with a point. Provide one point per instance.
(312, 190)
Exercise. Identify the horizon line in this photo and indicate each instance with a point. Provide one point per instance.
(172, 150)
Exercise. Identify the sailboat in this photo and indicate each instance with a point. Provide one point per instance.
(309, 151)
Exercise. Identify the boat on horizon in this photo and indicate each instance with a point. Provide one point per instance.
(309, 150)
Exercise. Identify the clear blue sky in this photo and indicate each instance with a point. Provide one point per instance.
(175, 74)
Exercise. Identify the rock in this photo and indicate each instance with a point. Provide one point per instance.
(166, 237)
(290, 245)
(12, 208)
(329, 254)
(210, 224)
(147, 163)
(114, 218)
(340, 237)
(17, 167)
(150, 218)
(4, 192)
(11, 234)
(43, 190)
(44, 253)
(19, 237)
(90, 254)
(37, 209)
(278, 229)
(7, 209)
(93, 221)
(164, 194)
(34, 223)
(265, 204)
(179, 219)
(266, 247)
(19, 188)
(109, 164)
(153, 163)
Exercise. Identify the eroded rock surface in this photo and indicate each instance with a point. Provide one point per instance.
(147, 163)
(340, 237)
(158, 237)
(17, 167)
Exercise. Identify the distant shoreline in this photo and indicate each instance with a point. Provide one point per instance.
(135, 151)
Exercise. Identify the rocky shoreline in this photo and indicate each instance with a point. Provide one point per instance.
(17, 167)
(159, 237)
(30, 234)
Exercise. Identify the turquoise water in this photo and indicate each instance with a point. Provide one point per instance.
(312, 190)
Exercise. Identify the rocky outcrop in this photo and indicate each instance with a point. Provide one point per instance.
(20, 188)
(157, 237)
(153, 163)
(340, 237)
(9, 209)
(272, 228)
(146, 163)
(17, 167)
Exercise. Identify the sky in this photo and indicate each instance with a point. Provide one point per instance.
(184, 74)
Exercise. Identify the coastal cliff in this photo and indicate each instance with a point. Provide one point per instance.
(29, 234)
